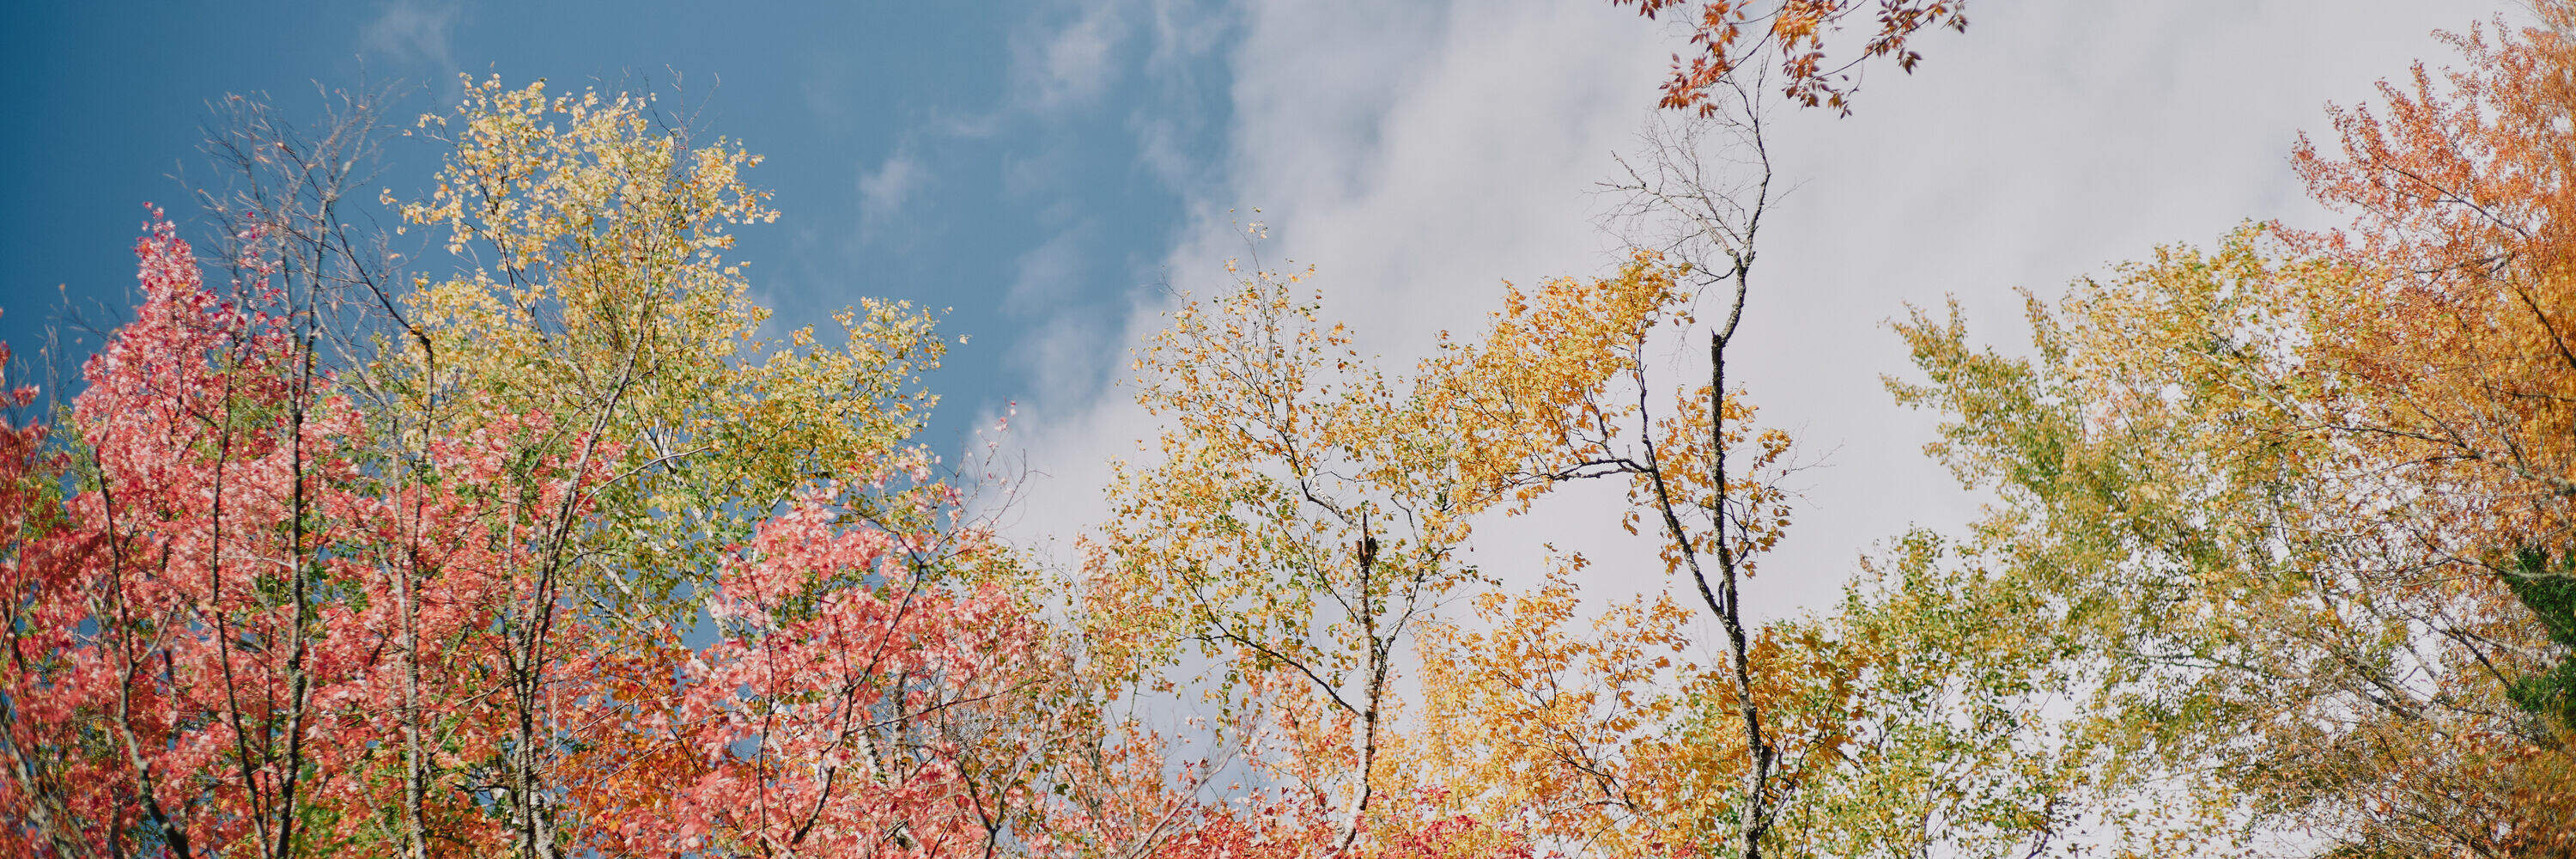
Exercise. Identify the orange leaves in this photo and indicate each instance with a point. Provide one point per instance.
(1729, 35)
(1557, 390)
(1296, 529)
(1309, 514)
(1560, 731)
(2462, 190)
(2445, 368)
(1537, 399)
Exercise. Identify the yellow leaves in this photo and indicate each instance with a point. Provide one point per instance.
(530, 173)
(1553, 726)
(1307, 510)
(1540, 391)
(2182, 475)
(590, 286)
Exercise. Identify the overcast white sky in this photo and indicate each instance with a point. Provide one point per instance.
(1418, 155)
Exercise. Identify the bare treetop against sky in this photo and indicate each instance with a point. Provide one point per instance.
(1343, 429)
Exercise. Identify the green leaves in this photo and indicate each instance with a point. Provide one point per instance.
(2547, 587)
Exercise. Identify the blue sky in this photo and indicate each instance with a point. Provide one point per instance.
(1023, 166)
(1046, 167)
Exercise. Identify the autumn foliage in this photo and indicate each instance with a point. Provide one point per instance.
(557, 545)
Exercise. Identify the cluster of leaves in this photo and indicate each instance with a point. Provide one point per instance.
(1728, 39)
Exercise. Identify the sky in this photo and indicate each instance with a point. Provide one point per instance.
(1056, 173)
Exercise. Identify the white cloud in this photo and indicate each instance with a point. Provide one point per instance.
(1057, 353)
(884, 191)
(413, 32)
(1047, 275)
(1420, 153)
(1074, 63)
(1417, 155)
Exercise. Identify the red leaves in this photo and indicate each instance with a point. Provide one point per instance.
(210, 631)
(812, 723)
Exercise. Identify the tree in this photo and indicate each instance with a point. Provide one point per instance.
(1805, 733)
(196, 589)
(2456, 342)
(438, 601)
(1705, 214)
(1560, 390)
(594, 292)
(2263, 601)
(2455, 349)
(1295, 530)
(1306, 520)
